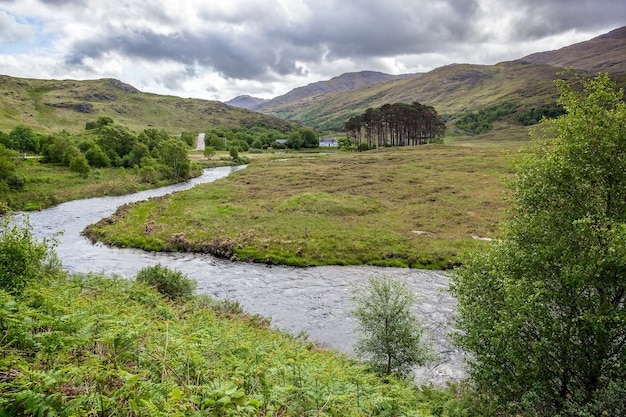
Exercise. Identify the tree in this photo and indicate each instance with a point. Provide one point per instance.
(209, 152)
(97, 158)
(173, 153)
(391, 335)
(309, 138)
(117, 141)
(294, 141)
(542, 311)
(23, 139)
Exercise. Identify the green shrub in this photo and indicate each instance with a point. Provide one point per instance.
(168, 282)
(16, 181)
(22, 257)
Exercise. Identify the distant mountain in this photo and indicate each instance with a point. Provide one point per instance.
(605, 53)
(459, 88)
(245, 102)
(345, 82)
(56, 105)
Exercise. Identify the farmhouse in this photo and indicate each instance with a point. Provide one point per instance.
(328, 142)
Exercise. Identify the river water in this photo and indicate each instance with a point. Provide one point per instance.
(312, 300)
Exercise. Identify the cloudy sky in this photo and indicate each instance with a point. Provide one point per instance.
(219, 49)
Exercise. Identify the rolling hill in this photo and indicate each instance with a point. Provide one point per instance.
(55, 105)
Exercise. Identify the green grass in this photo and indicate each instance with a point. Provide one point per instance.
(48, 106)
(417, 207)
(95, 345)
(51, 184)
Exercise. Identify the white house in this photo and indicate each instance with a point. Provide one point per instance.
(328, 142)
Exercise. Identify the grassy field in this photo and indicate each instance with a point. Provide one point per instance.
(416, 207)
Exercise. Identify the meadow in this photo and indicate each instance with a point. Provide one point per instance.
(416, 207)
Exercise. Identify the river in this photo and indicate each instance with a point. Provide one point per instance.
(312, 300)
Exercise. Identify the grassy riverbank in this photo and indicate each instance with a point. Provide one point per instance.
(95, 345)
(417, 207)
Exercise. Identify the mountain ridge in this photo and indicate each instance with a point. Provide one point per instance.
(604, 53)
(340, 83)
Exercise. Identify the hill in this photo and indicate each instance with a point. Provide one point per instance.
(245, 102)
(55, 105)
(605, 53)
(452, 89)
(345, 82)
(459, 88)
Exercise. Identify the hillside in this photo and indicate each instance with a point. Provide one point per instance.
(54, 105)
(605, 53)
(459, 88)
(344, 82)
(451, 90)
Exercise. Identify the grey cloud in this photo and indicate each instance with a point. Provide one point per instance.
(545, 18)
(259, 42)
(232, 57)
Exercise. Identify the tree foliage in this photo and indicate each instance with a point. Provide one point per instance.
(391, 335)
(543, 310)
(481, 121)
(397, 124)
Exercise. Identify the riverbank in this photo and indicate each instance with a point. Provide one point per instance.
(418, 207)
(50, 184)
(108, 346)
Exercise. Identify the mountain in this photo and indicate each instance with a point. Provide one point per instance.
(56, 105)
(605, 53)
(245, 102)
(458, 88)
(451, 89)
(345, 82)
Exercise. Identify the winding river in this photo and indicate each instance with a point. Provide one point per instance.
(311, 300)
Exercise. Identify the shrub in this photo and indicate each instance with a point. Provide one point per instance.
(168, 282)
(16, 181)
(80, 165)
(22, 257)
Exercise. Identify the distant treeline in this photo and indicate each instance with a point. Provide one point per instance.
(397, 124)
(480, 121)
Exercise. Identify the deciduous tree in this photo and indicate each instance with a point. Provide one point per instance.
(543, 309)
(391, 335)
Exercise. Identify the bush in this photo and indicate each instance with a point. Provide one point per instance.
(16, 181)
(22, 257)
(80, 165)
(168, 282)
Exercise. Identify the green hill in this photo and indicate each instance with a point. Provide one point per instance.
(53, 105)
(452, 90)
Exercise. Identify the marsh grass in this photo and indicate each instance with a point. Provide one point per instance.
(416, 207)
